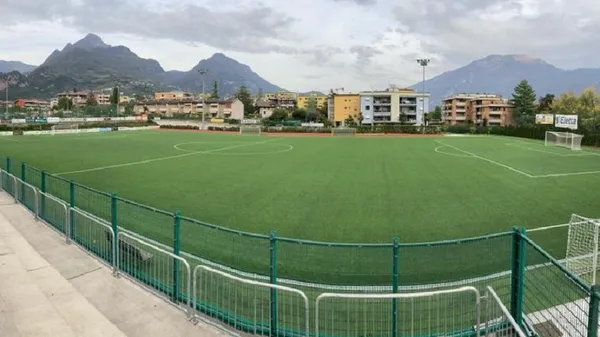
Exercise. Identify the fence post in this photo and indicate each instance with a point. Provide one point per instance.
(9, 182)
(592, 326)
(517, 274)
(23, 177)
(43, 201)
(115, 228)
(176, 250)
(71, 223)
(273, 280)
(8, 164)
(395, 285)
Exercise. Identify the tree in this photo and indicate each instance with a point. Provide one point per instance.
(244, 96)
(311, 107)
(436, 114)
(545, 104)
(279, 114)
(524, 101)
(139, 97)
(215, 91)
(299, 114)
(586, 106)
(64, 103)
(91, 100)
(115, 96)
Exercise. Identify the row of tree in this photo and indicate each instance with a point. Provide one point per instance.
(586, 105)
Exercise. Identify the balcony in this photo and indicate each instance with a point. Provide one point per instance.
(408, 112)
(408, 101)
(382, 102)
(460, 118)
(382, 113)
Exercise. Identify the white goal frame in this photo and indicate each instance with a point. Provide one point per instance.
(250, 130)
(564, 139)
(65, 128)
(582, 247)
(343, 131)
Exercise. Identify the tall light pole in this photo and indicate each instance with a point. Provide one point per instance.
(203, 72)
(423, 63)
(118, 99)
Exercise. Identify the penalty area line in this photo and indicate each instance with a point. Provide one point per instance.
(489, 160)
(147, 161)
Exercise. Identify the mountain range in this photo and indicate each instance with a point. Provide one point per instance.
(499, 74)
(92, 64)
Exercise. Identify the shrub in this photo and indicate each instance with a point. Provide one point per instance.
(180, 127)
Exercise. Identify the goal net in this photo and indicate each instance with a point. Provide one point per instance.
(65, 128)
(250, 130)
(343, 131)
(565, 139)
(582, 247)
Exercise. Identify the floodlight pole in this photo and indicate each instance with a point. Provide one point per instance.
(203, 72)
(423, 63)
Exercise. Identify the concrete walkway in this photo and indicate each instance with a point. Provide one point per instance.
(49, 288)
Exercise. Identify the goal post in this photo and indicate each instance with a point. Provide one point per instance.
(343, 131)
(64, 128)
(564, 139)
(582, 247)
(250, 130)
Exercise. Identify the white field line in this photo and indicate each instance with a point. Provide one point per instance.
(565, 174)
(100, 168)
(8, 139)
(489, 160)
(438, 150)
(549, 152)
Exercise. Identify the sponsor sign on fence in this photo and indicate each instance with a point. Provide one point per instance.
(566, 121)
(544, 119)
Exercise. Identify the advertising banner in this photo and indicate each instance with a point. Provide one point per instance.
(547, 119)
(566, 121)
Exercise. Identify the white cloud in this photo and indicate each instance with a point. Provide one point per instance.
(313, 44)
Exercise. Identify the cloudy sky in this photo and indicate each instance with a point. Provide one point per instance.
(313, 44)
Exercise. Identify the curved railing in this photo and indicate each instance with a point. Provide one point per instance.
(309, 266)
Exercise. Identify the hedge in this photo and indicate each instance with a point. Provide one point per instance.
(38, 127)
(590, 138)
(181, 127)
(384, 129)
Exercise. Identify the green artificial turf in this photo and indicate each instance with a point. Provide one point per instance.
(334, 189)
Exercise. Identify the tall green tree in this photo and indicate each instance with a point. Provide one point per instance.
(299, 114)
(545, 104)
(436, 114)
(524, 101)
(311, 107)
(244, 96)
(115, 96)
(64, 103)
(215, 90)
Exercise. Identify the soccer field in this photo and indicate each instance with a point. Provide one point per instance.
(335, 189)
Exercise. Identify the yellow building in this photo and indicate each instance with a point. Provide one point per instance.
(278, 96)
(173, 95)
(304, 101)
(340, 106)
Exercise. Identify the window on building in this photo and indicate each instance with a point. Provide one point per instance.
(367, 108)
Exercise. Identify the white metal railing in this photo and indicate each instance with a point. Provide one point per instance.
(43, 210)
(8, 176)
(96, 232)
(162, 264)
(426, 313)
(20, 192)
(238, 296)
(499, 321)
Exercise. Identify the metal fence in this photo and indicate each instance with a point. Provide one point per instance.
(498, 320)
(159, 248)
(452, 312)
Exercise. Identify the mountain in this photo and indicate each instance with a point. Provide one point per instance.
(8, 66)
(499, 74)
(229, 74)
(92, 64)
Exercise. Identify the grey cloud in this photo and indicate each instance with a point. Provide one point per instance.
(364, 54)
(257, 29)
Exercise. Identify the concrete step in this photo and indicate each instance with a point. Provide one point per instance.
(37, 300)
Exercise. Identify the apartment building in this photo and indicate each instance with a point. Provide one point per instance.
(77, 97)
(214, 108)
(172, 95)
(32, 104)
(281, 95)
(341, 106)
(394, 105)
(305, 101)
(478, 109)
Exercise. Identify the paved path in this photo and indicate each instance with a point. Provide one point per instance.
(49, 288)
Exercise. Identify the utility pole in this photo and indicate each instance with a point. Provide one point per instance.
(423, 63)
(203, 72)
(118, 99)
